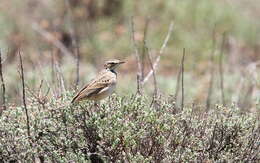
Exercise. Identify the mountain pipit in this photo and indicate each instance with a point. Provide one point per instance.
(102, 86)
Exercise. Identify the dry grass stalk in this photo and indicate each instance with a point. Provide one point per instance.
(3, 85)
(144, 50)
(53, 73)
(182, 78)
(221, 69)
(154, 75)
(177, 87)
(166, 40)
(77, 66)
(137, 55)
(212, 69)
(24, 95)
(38, 96)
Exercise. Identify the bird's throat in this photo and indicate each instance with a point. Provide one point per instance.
(113, 71)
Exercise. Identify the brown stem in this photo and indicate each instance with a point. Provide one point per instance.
(24, 96)
(208, 102)
(3, 85)
(139, 73)
(182, 78)
(77, 66)
(165, 42)
(177, 87)
(221, 69)
(154, 75)
(144, 47)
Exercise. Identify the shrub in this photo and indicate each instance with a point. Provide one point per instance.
(128, 129)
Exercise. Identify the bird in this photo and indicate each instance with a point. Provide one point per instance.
(102, 86)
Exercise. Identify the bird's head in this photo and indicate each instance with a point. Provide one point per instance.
(113, 64)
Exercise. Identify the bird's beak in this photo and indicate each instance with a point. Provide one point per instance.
(121, 62)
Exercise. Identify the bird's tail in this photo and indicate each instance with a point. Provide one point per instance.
(74, 100)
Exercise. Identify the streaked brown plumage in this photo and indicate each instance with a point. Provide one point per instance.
(102, 86)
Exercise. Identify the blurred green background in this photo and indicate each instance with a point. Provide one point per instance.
(101, 30)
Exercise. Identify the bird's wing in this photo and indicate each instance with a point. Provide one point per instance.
(103, 80)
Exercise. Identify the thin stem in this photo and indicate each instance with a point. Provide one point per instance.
(166, 40)
(24, 96)
(210, 90)
(154, 74)
(182, 79)
(77, 66)
(221, 69)
(144, 47)
(139, 73)
(2, 84)
(178, 84)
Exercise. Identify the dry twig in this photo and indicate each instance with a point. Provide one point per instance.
(160, 53)
(38, 95)
(139, 73)
(77, 65)
(212, 69)
(144, 47)
(3, 85)
(177, 87)
(24, 96)
(154, 75)
(54, 88)
(182, 79)
(221, 69)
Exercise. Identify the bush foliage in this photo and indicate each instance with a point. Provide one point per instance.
(127, 129)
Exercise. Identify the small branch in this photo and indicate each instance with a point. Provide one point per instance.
(135, 45)
(139, 73)
(3, 85)
(144, 47)
(208, 102)
(24, 96)
(154, 75)
(221, 69)
(38, 97)
(138, 81)
(182, 78)
(52, 68)
(77, 66)
(166, 40)
(177, 87)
